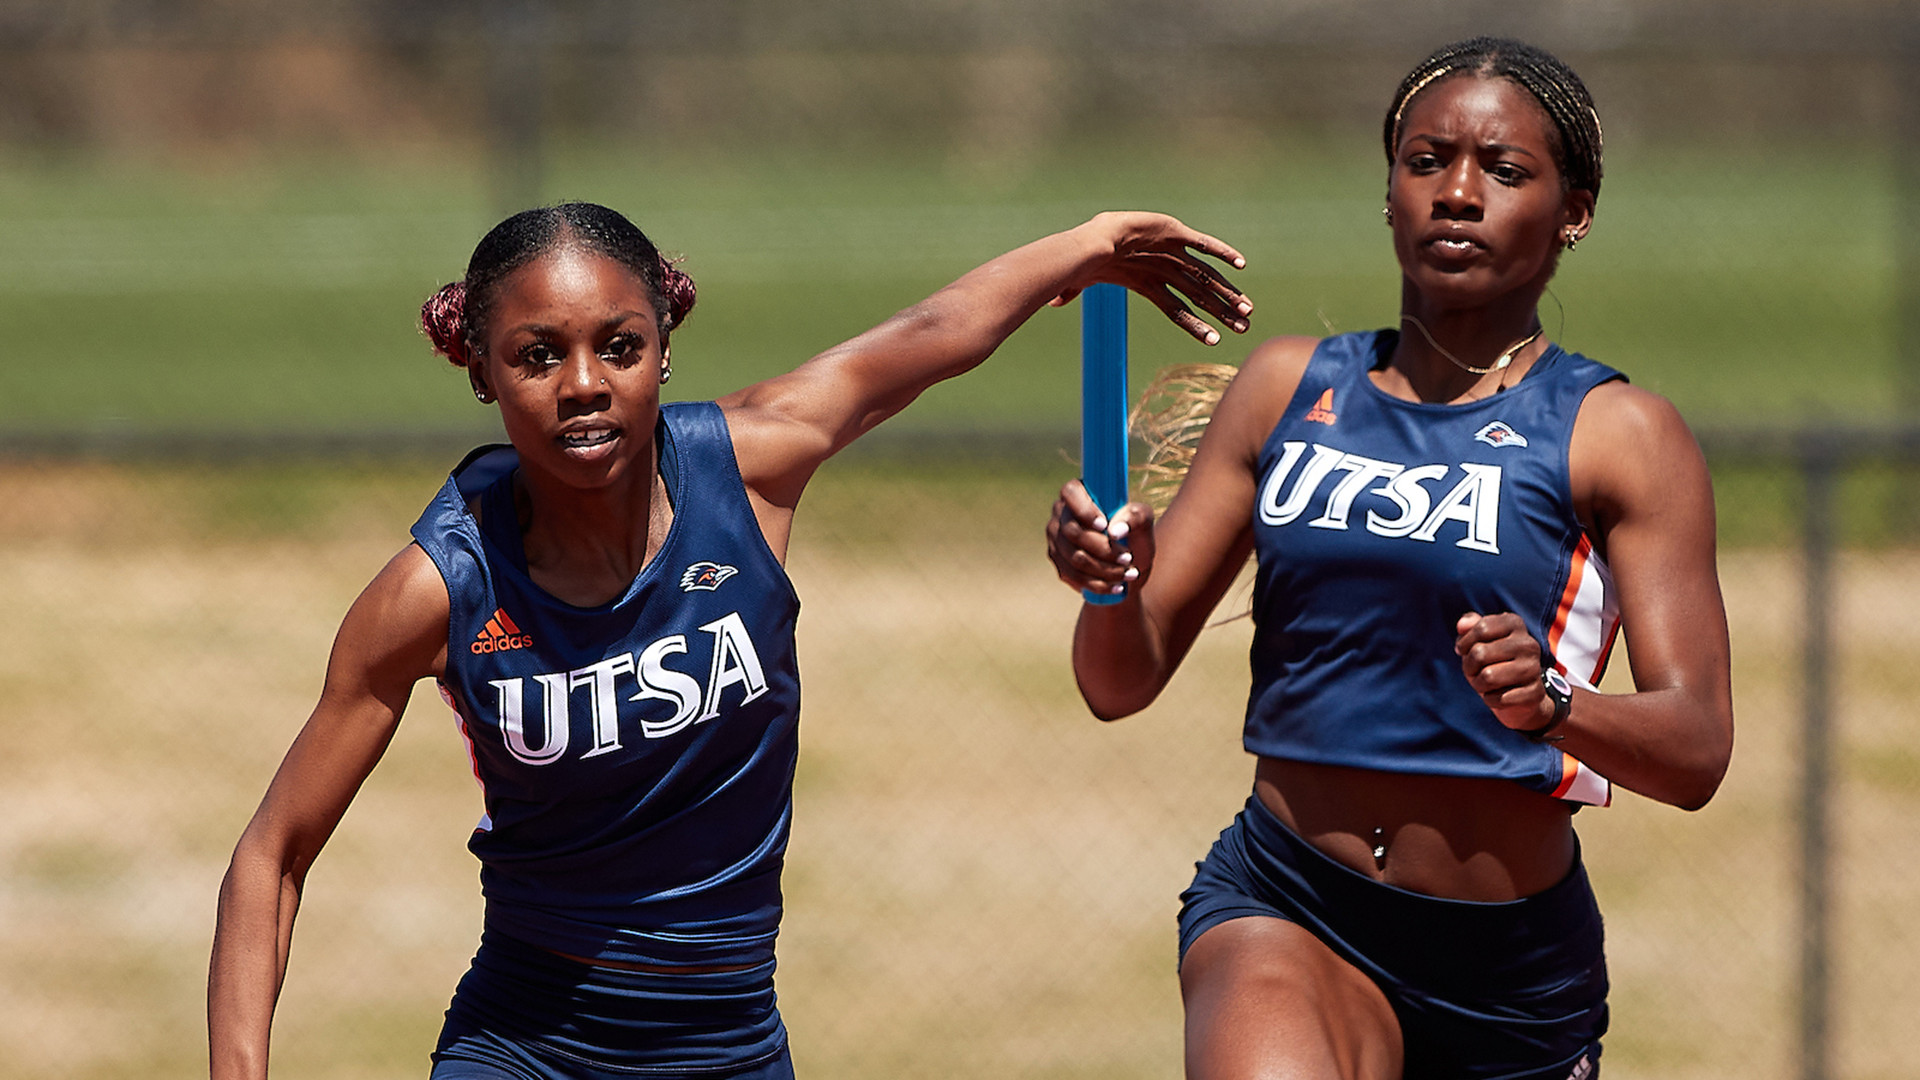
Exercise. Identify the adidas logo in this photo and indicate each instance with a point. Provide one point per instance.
(499, 635)
(1322, 411)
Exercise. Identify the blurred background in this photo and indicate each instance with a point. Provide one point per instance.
(217, 419)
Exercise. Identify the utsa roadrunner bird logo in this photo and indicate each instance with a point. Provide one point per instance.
(1322, 411)
(499, 635)
(1499, 433)
(706, 575)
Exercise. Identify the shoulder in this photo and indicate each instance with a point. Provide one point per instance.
(775, 447)
(398, 625)
(1632, 453)
(1617, 417)
(1259, 394)
(1278, 362)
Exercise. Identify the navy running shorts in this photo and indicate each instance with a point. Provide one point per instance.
(1515, 990)
(523, 1013)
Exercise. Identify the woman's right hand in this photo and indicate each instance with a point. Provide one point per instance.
(1159, 257)
(1091, 553)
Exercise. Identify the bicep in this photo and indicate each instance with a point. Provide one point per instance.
(393, 636)
(1650, 500)
(785, 427)
(1206, 535)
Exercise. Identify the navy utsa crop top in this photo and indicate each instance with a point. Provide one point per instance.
(1378, 523)
(636, 758)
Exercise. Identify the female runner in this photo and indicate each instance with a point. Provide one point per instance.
(1451, 521)
(603, 604)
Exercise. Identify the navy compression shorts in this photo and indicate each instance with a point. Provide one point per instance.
(523, 1013)
(1515, 990)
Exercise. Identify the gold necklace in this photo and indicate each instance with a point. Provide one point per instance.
(1499, 362)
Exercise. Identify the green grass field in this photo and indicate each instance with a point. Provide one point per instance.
(1747, 284)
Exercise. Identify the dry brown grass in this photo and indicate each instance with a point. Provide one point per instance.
(982, 879)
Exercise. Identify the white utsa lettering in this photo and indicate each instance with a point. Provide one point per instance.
(735, 663)
(1473, 501)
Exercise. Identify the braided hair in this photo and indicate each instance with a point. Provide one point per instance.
(455, 317)
(1576, 141)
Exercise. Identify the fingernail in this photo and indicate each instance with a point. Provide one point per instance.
(1239, 264)
(1126, 558)
(1246, 308)
(1118, 530)
(1133, 573)
(1117, 590)
(1212, 338)
(1100, 524)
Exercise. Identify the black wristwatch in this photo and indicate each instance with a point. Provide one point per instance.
(1560, 692)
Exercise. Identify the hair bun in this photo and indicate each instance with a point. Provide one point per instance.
(676, 288)
(444, 319)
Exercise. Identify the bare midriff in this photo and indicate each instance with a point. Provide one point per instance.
(1457, 837)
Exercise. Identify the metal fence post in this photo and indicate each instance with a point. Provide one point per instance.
(1818, 465)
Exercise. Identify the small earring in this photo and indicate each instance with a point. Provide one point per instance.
(1572, 239)
(480, 396)
(666, 372)
(1387, 212)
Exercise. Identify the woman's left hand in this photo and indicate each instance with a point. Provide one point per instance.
(1159, 257)
(1502, 663)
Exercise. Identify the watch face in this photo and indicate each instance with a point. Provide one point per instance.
(1558, 683)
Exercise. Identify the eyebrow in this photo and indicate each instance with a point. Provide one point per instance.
(543, 329)
(1437, 140)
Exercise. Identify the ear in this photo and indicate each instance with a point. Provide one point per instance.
(481, 391)
(1579, 214)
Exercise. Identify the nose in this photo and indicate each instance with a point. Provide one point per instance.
(1459, 195)
(583, 379)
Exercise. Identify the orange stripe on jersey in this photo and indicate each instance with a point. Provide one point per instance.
(493, 629)
(1569, 772)
(1600, 667)
(1580, 784)
(501, 614)
(1575, 572)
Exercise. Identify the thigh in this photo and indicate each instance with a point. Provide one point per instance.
(1266, 999)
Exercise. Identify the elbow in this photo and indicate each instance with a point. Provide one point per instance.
(1701, 785)
(1700, 779)
(1108, 703)
(1696, 793)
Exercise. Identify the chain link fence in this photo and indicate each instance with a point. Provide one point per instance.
(217, 426)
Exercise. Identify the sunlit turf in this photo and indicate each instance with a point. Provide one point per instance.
(280, 295)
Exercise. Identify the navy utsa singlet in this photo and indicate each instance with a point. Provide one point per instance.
(1378, 523)
(636, 758)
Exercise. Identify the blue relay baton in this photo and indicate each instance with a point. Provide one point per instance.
(1103, 404)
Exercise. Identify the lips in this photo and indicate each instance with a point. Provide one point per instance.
(588, 438)
(1453, 246)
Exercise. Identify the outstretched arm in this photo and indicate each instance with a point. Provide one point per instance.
(394, 635)
(785, 427)
(1643, 489)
